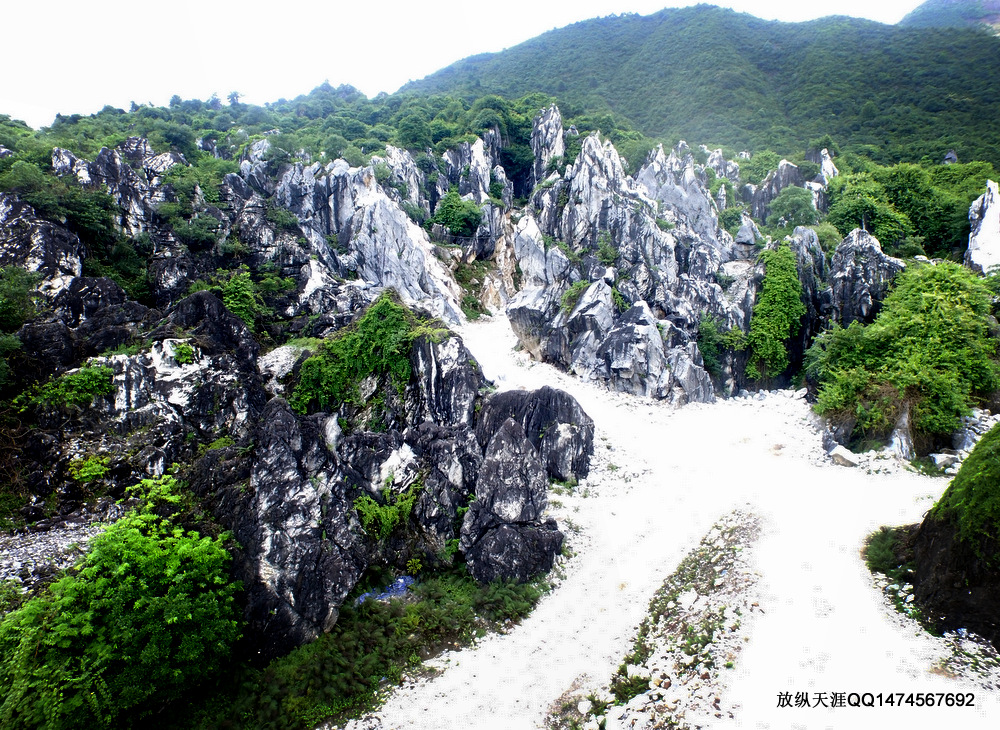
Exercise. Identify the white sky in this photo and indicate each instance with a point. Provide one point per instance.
(75, 56)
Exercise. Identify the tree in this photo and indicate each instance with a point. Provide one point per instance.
(460, 217)
(862, 202)
(793, 207)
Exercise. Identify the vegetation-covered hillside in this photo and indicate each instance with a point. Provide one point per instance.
(721, 77)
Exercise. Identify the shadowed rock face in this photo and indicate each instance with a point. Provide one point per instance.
(860, 274)
(502, 536)
(953, 585)
(561, 433)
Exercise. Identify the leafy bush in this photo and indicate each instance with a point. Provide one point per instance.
(378, 343)
(461, 217)
(183, 352)
(972, 500)
(381, 520)
(793, 207)
(607, 254)
(240, 295)
(75, 389)
(149, 613)
(929, 350)
(776, 315)
(17, 299)
(89, 469)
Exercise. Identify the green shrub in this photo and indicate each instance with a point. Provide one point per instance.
(149, 614)
(381, 519)
(282, 218)
(241, 297)
(572, 295)
(75, 389)
(17, 298)
(183, 352)
(928, 349)
(461, 217)
(776, 315)
(607, 254)
(89, 469)
(378, 343)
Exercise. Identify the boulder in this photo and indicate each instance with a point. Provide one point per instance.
(561, 433)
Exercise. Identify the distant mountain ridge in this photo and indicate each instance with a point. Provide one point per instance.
(955, 13)
(713, 75)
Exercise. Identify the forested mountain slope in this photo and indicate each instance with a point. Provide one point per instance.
(722, 77)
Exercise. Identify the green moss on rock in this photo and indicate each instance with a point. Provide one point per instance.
(972, 500)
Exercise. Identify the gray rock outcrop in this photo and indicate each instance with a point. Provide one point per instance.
(983, 253)
(860, 274)
(38, 245)
(547, 142)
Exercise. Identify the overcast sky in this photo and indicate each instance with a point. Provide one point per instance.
(75, 56)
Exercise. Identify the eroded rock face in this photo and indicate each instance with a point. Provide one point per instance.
(860, 274)
(303, 545)
(502, 535)
(547, 142)
(37, 245)
(787, 175)
(554, 423)
(983, 253)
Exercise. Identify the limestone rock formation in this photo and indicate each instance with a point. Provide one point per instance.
(502, 536)
(38, 245)
(547, 142)
(860, 274)
(983, 253)
(787, 175)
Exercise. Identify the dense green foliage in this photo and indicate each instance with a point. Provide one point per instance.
(460, 217)
(149, 613)
(929, 349)
(725, 78)
(381, 519)
(972, 500)
(74, 389)
(776, 316)
(793, 207)
(572, 295)
(898, 201)
(953, 13)
(17, 305)
(378, 343)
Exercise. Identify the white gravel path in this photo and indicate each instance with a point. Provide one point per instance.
(661, 478)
